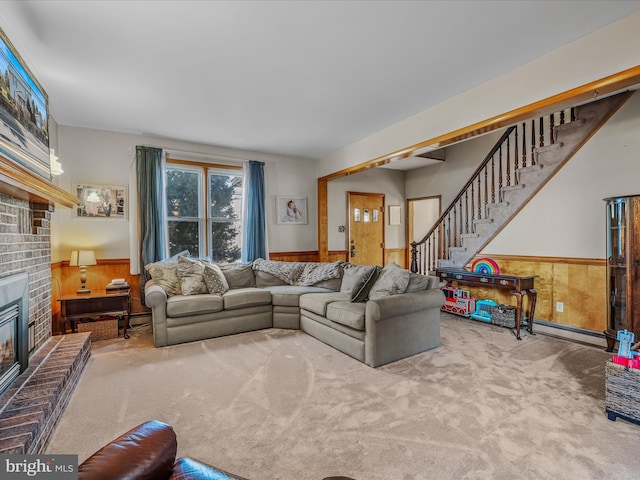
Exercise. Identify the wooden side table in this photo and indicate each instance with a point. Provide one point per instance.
(98, 305)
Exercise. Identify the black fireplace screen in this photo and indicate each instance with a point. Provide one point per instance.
(14, 334)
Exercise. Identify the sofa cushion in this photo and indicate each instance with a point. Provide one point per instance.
(349, 314)
(265, 279)
(333, 284)
(238, 275)
(215, 279)
(289, 295)
(246, 297)
(191, 273)
(317, 302)
(357, 280)
(392, 280)
(165, 273)
(419, 282)
(186, 305)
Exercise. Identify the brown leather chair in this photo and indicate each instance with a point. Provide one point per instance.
(147, 451)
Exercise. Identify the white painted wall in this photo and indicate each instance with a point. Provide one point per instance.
(380, 180)
(602, 53)
(100, 157)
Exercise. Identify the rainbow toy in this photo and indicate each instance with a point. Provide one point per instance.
(485, 266)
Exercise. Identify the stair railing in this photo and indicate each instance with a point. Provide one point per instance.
(514, 150)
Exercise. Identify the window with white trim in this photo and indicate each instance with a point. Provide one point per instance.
(204, 210)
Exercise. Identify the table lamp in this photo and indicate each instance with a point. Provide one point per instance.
(82, 258)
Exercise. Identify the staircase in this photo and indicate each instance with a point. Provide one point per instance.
(523, 160)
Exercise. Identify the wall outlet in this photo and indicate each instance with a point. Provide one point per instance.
(559, 306)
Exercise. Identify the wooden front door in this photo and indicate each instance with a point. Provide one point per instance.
(366, 228)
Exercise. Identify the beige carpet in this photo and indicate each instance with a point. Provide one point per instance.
(278, 404)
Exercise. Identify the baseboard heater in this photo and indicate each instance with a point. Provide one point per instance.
(569, 332)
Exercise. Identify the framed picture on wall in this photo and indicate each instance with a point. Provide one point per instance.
(24, 111)
(101, 201)
(291, 210)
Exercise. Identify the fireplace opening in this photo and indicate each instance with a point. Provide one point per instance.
(14, 327)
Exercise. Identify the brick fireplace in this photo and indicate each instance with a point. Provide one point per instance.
(32, 404)
(25, 246)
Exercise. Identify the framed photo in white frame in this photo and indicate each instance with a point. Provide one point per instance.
(291, 210)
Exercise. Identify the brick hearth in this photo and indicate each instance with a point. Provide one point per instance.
(31, 407)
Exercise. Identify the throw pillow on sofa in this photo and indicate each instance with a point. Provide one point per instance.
(421, 282)
(215, 279)
(392, 280)
(238, 275)
(357, 281)
(191, 273)
(165, 273)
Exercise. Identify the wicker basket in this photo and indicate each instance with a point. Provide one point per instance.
(622, 393)
(100, 329)
(503, 315)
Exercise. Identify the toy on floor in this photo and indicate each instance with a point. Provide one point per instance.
(483, 310)
(626, 355)
(458, 301)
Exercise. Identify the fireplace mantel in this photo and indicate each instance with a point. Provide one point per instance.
(22, 183)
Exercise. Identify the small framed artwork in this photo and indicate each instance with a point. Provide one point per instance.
(395, 215)
(291, 210)
(356, 214)
(365, 216)
(101, 201)
(375, 215)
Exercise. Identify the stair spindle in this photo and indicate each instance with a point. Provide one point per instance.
(552, 122)
(493, 180)
(486, 189)
(541, 132)
(573, 114)
(500, 174)
(466, 209)
(524, 144)
(561, 117)
(508, 162)
(533, 142)
(516, 158)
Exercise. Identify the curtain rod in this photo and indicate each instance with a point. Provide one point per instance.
(200, 154)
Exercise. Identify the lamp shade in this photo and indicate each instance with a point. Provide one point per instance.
(82, 258)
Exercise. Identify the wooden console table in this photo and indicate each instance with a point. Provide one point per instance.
(517, 286)
(98, 304)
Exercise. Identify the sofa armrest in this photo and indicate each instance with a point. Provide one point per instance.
(154, 294)
(146, 451)
(404, 303)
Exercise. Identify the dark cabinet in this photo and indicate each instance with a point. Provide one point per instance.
(623, 262)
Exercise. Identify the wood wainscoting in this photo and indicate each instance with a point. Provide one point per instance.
(66, 280)
(579, 283)
(398, 255)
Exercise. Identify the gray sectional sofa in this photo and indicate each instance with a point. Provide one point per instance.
(374, 315)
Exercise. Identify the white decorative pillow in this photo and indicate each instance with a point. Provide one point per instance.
(392, 280)
(165, 273)
(215, 279)
(191, 273)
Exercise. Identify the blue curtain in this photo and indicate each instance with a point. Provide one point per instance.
(149, 175)
(254, 238)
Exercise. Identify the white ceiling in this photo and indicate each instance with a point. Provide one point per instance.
(295, 78)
